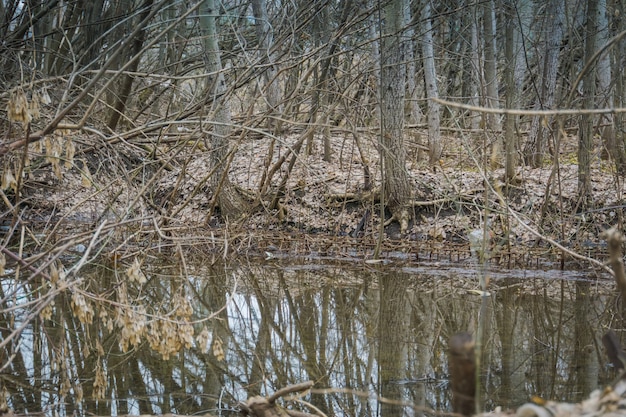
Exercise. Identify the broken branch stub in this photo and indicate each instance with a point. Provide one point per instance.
(462, 364)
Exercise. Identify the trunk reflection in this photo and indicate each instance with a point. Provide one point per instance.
(374, 333)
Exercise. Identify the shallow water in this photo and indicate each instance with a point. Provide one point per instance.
(361, 332)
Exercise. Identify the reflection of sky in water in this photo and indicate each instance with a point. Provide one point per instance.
(306, 311)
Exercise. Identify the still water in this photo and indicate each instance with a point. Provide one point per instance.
(188, 340)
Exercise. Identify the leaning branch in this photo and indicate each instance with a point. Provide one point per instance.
(519, 112)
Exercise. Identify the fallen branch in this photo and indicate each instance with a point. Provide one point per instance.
(259, 406)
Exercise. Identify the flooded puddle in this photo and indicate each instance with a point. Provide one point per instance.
(199, 340)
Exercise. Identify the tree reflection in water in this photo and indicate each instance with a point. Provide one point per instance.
(363, 333)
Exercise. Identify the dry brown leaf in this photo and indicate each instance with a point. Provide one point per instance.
(17, 107)
(218, 349)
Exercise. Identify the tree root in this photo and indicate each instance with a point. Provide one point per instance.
(401, 215)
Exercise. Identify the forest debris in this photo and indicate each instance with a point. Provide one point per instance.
(606, 402)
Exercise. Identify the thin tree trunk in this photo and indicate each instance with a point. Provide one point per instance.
(491, 76)
(430, 78)
(604, 84)
(540, 130)
(515, 12)
(618, 97)
(271, 86)
(414, 114)
(475, 72)
(585, 133)
(126, 80)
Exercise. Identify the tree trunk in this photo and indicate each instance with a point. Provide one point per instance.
(475, 72)
(604, 84)
(513, 75)
(430, 78)
(271, 86)
(585, 133)
(395, 177)
(225, 195)
(540, 127)
(413, 112)
(491, 76)
(619, 157)
(126, 80)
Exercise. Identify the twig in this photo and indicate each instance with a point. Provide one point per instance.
(92, 243)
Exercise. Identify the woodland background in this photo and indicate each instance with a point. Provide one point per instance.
(128, 91)
(143, 138)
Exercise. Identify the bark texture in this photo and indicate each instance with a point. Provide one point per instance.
(225, 195)
(393, 76)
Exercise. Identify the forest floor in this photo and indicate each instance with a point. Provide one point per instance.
(328, 212)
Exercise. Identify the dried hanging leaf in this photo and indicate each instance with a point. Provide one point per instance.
(70, 151)
(86, 350)
(17, 107)
(3, 262)
(99, 348)
(132, 322)
(57, 273)
(203, 340)
(86, 179)
(54, 148)
(182, 306)
(45, 97)
(99, 383)
(218, 349)
(134, 273)
(8, 180)
(81, 308)
(78, 392)
(56, 168)
(33, 107)
(36, 146)
(46, 312)
(65, 385)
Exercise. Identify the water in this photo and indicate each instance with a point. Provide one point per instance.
(360, 332)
